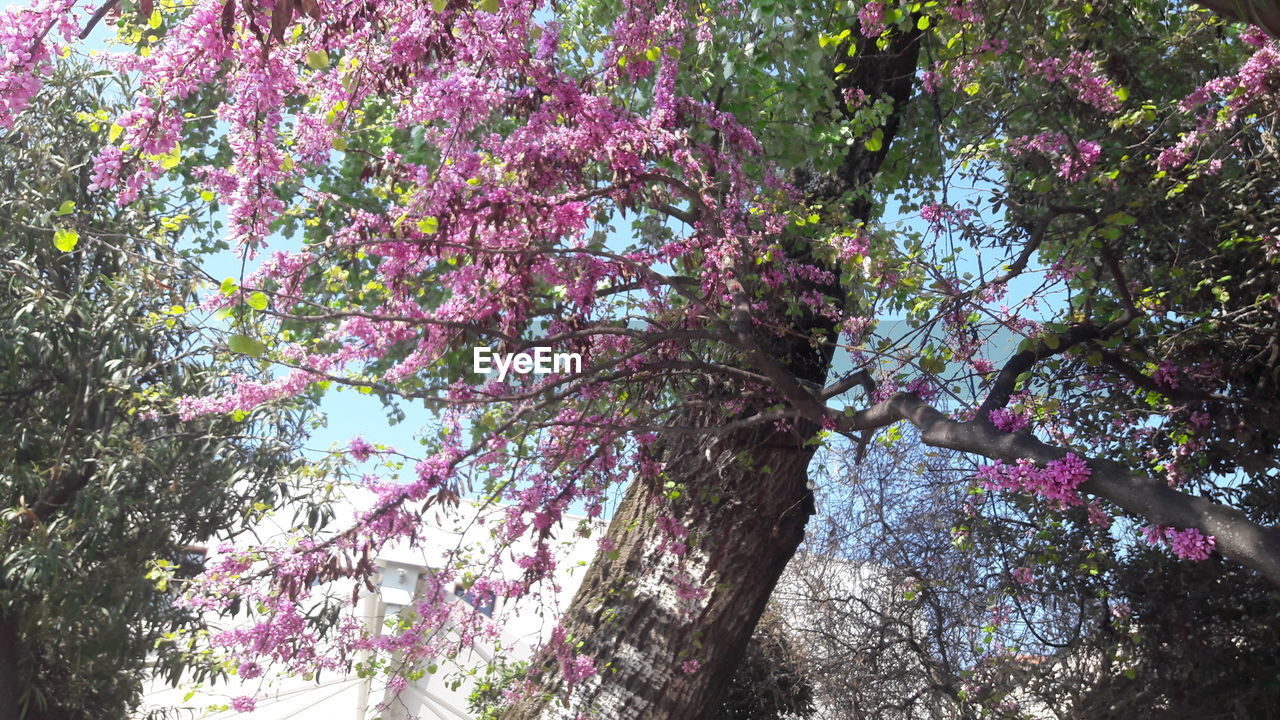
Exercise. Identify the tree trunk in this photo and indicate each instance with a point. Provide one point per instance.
(745, 500)
(10, 687)
(744, 497)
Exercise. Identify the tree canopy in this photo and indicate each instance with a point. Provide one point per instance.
(1042, 235)
(107, 495)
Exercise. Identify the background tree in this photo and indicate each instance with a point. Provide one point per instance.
(104, 491)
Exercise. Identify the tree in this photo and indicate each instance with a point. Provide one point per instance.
(104, 492)
(770, 682)
(487, 155)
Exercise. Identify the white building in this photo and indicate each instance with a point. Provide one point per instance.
(402, 576)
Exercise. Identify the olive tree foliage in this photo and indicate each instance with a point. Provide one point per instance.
(103, 491)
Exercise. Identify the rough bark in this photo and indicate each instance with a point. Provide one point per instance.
(10, 687)
(744, 498)
(747, 505)
(1263, 13)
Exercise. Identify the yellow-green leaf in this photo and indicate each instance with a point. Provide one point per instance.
(67, 207)
(429, 225)
(246, 345)
(489, 6)
(170, 160)
(439, 5)
(318, 59)
(114, 132)
(876, 141)
(258, 301)
(65, 239)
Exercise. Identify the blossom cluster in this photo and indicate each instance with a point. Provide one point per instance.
(1056, 482)
(1187, 543)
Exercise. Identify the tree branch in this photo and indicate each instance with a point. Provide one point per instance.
(1237, 537)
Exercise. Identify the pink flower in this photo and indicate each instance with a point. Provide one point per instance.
(1098, 516)
(359, 449)
(1188, 543)
(577, 668)
(690, 666)
(1008, 421)
(1166, 375)
(1191, 544)
(1023, 576)
(871, 17)
(243, 704)
(1056, 482)
(930, 81)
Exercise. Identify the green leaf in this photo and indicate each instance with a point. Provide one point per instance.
(246, 345)
(876, 141)
(65, 239)
(170, 160)
(1052, 342)
(258, 301)
(67, 207)
(318, 59)
(489, 6)
(229, 286)
(923, 22)
(1120, 219)
(429, 225)
(439, 5)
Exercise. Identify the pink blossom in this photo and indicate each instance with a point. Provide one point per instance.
(577, 668)
(871, 17)
(1166, 375)
(1008, 420)
(1187, 543)
(1056, 482)
(360, 449)
(1098, 516)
